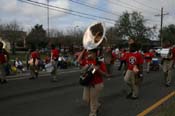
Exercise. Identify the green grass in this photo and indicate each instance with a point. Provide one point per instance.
(22, 56)
(166, 111)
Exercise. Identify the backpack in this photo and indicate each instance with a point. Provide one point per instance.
(87, 75)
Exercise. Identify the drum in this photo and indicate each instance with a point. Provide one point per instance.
(155, 61)
(164, 52)
(49, 67)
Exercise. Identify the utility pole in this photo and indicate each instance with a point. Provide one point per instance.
(161, 25)
(48, 18)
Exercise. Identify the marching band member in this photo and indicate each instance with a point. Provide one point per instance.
(34, 61)
(173, 50)
(122, 58)
(4, 58)
(92, 92)
(133, 75)
(54, 61)
(107, 54)
(148, 55)
(93, 37)
(167, 62)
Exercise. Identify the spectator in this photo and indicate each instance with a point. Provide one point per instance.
(19, 64)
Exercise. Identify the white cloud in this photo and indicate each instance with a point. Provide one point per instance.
(168, 20)
(148, 8)
(93, 2)
(22, 8)
(8, 7)
(30, 15)
(29, 9)
(59, 3)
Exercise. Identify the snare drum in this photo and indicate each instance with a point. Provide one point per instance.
(155, 61)
(49, 67)
(164, 52)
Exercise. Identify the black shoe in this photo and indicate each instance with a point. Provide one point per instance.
(36, 76)
(99, 109)
(3, 81)
(134, 98)
(32, 78)
(129, 96)
(54, 80)
(167, 85)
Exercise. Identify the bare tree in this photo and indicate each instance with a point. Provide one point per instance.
(12, 32)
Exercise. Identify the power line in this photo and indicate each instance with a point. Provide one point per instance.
(55, 9)
(134, 6)
(109, 19)
(130, 7)
(146, 5)
(99, 9)
(73, 14)
(127, 5)
(168, 6)
(120, 5)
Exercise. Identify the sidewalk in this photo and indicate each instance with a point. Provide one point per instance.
(41, 73)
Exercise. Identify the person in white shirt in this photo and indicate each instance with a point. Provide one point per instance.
(19, 64)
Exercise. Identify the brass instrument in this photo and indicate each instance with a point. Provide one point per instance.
(6, 45)
(94, 35)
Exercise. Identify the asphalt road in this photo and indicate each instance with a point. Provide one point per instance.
(41, 97)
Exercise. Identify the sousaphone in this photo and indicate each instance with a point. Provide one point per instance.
(94, 35)
(6, 45)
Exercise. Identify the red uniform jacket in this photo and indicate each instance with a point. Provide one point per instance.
(148, 56)
(55, 53)
(134, 58)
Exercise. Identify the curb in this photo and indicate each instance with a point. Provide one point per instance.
(41, 73)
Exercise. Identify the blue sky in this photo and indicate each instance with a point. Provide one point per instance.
(28, 15)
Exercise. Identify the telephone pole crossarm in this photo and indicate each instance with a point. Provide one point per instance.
(161, 24)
